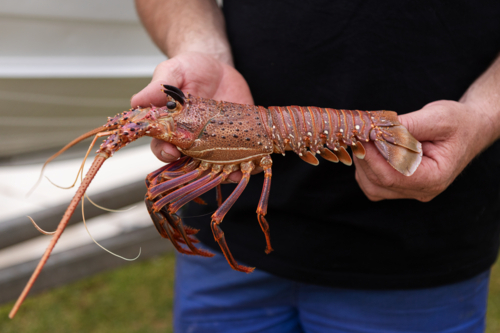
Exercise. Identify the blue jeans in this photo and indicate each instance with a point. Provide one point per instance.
(211, 297)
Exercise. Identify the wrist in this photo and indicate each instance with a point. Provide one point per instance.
(483, 99)
(487, 117)
(480, 128)
(216, 49)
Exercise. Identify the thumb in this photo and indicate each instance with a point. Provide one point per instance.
(168, 72)
(430, 123)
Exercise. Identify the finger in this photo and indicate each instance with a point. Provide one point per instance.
(235, 177)
(373, 191)
(420, 186)
(377, 169)
(168, 72)
(257, 170)
(164, 151)
(431, 123)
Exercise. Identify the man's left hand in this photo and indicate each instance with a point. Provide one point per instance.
(450, 133)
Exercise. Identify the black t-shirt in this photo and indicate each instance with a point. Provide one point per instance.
(367, 55)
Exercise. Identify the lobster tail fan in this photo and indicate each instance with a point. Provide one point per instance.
(174, 89)
(401, 150)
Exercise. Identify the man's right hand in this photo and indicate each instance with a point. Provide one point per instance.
(200, 75)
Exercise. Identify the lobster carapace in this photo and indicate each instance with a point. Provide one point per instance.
(218, 138)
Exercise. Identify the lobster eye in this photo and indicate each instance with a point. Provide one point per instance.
(171, 105)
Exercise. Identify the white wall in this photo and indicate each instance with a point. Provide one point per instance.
(74, 38)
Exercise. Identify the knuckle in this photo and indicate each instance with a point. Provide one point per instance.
(387, 182)
(426, 198)
(429, 193)
(368, 188)
(382, 180)
(160, 68)
(171, 69)
(372, 178)
(437, 190)
(411, 122)
(372, 197)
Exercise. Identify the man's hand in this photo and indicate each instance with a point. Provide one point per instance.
(451, 135)
(201, 75)
(193, 34)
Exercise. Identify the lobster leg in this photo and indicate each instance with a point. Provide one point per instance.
(186, 189)
(177, 236)
(217, 217)
(266, 164)
(153, 191)
(219, 237)
(218, 195)
(161, 218)
(163, 223)
(246, 169)
(189, 231)
(227, 170)
(174, 173)
(189, 193)
(164, 229)
(174, 166)
(175, 221)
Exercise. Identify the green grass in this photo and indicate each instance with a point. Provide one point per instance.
(134, 298)
(493, 315)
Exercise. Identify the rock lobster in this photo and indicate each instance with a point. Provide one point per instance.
(218, 138)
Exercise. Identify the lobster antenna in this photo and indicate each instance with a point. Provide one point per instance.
(102, 247)
(80, 172)
(40, 229)
(96, 165)
(82, 166)
(69, 145)
(108, 209)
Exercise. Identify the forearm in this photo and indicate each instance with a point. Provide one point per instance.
(483, 96)
(178, 26)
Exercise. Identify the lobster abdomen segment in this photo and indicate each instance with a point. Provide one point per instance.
(307, 130)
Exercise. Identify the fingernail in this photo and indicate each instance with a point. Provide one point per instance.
(168, 156)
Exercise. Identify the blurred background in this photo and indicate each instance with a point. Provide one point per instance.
(65, 66)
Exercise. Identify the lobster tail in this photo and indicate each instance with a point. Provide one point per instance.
(307, 130)
(401, 150)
